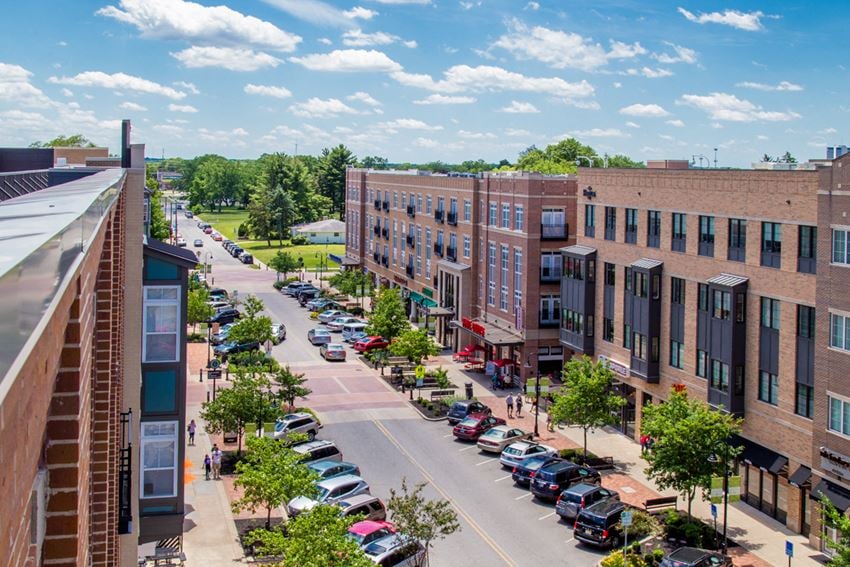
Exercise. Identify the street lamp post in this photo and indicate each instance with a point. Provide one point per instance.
(715, 459)
(536, 394)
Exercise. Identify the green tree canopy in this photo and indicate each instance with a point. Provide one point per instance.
(331, 182)
(423, 520)
(290, 386)
(835, 519)
(319, 538)
(246, 401)
(252, 327)
(387, 318)
(283, 262)
(72, 141)
(415, 344)
(351, 282)
(197, 308)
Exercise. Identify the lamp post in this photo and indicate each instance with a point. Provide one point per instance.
(715, 459)
(536, 394)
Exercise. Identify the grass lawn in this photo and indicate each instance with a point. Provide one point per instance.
(226, 221)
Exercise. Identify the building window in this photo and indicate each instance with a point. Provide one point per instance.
(804, 401)
(706, 236)
(159, 459)
(769, 388)
(702, 363)
(631, 226)
(161, 324)
(628, 279)
(551, 263)
(680, 232)
(771, 244)
(590, 221)
(491, 275)
(418, 202)
(493, 213)
(395, 199)
(519, 218)
(805, 321)
(839, 415)
(503, 294)
(639, 345)
(467, 210)
(840, 249)
(428, 205)
(737, 250)
(627, 336)
(573, 321)
(653, 229)
(807, 249)
(607, 330)
(610, 274)
(722, 304)
(702, 300)
(839, 331)
(610, 223)
(550, 308)
(677, 354)
(719, 376)
(506, 216)
(467, 246)
(677, 291)
(641, 284)
(553, 224)
(770, 313)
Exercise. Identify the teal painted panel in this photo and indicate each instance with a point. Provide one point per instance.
(160, 391)
(156, 269)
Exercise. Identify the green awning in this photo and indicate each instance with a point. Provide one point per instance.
(422, 300)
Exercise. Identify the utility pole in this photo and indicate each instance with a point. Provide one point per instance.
(715, 158)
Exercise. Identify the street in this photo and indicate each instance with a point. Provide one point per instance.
(501, 524)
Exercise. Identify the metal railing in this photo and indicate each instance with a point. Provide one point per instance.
(554, 231)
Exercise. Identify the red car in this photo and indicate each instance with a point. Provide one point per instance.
(371, 343)
(474, 425)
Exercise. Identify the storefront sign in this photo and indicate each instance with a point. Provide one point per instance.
(400, 280)
(833, 462)
(470, 325)
(615, 366)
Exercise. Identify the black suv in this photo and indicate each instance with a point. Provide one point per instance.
(600, 524)
(580, 496)
(225, 316)
(694, 557)
(554, 478)
(526, 471)
(462, 408)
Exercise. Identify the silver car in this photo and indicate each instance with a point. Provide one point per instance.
(329, 491)
(330, 315)
(337, 324)
(517, 453)
(278, 333)
(318, 336)
(495, 440)
(301, 422)
(396, 550)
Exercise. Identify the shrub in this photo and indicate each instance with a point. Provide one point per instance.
(575, 455)
(196, 338)
(314, 315)
(298, 240)
(279, 285)
(243, 231)
(643, 524)
(616, 559)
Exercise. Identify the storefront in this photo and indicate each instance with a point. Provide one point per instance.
(764, 478)
(499, 344)
(801, 479)
(840, 498)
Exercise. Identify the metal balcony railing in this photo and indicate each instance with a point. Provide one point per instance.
(439, 215)
(438, 249)
(554, 231)
(411, 211)
(451, 218)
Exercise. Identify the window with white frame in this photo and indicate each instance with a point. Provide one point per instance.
(840, 247)
(491, 275)
(503, 295)
(506, 215)
(467, 246)
(428, 204)
(493, 213)
(839, 415)
(519, 218)
(467, 210)
(159, 459)
(839, 331)
(161, 332)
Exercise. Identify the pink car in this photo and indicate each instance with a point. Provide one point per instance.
(367, 531)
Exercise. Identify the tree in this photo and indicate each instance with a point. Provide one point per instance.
(246, 401)
(197, 308)
(270, 475)
(835, 519)
(687, 434)
(252, 327)
(283, 262)
(260, 214)
(388, 318)
(319, 538)
(331, 182)
(72, 141)
(423, 520)
(159, 227)
(290, 385)
(283, 208)
(587, 398)
(415, 344)
(351, 282)
(373, 162)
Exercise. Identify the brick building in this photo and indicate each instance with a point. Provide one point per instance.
(479, 254)
(706, 278)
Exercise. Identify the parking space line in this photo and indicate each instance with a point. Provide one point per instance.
(503, 478)
(448, 435)
(569, 540)
(468, 448)
(523, 496)
(486, 461)
(549, 515)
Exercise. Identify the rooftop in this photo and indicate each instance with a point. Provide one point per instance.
(327, 225)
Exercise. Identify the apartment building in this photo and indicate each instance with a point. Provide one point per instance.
(707, 279)
(479, 254)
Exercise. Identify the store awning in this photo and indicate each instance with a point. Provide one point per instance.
(492, 335)
(801, 476)
(440, 311)
(760, 456)
(839, 497)
(422, 300)
(504, 362)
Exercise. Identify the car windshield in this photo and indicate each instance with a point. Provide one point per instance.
(469, 422)
(592, 520)
(571, 497)
(322, 494)
(357, 537)
(534, 463)
(496, 434)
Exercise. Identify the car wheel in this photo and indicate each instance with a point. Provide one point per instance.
(311, 435)
(615, 541)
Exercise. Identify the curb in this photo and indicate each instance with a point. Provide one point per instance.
(426, 418)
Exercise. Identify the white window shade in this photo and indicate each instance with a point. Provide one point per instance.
(159, 459)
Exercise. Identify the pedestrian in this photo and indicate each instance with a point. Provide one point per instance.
(207, 466)
(644, 443)
(191, 430)
(216, 462)
(495, 380)
(519, 405)
(549, 425)
(510, 402)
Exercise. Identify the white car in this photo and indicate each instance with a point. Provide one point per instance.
(330, 315)
(337, 324)
(516, 453)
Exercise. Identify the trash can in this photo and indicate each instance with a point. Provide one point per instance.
(468, 386)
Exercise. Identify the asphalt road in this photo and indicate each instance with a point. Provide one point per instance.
(501, 524)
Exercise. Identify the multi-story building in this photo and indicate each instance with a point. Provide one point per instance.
(481, 254)
(707, 279)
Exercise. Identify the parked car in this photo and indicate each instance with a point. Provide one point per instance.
(216, 304)
(599, 524)
(370, 506)
(307, 289)
(217, 293)
(319, 336)
(321, 304)
(308, 294)
(520, 451)
(695, 557)
(208, 230)
(579, 496)
(396, 551)
(181, 242)
(189, 214)
(221, 336)
(358, 336)
(461, 408)
(331, 469)
(332, 351)
(337, 324)
(330, 491)
(224, 316)
(524, 472)
(246, 258)
(301, 422)
(351, 329)
(217, 237)
(367, 531)
(236, 251)
(198, 243)
(226, 242)
(554, 478)
(290, 288)
(278, 333)
(330, 315)
(371, 343)
(203, 225)
(231, 347)
(318, 451)
(497, 438)
(475, 425)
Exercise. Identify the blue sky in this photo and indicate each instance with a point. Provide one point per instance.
(420, 80)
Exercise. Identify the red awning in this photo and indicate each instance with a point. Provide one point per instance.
(472, 347)
(503, 362)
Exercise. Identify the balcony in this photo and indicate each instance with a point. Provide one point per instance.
(411, 241)
(385, 260)
(377, 229)
(409, 270)
(377, 204)
(386, 206)
(411, 211)
(376, 257)
(385, 232)
(554, 231)
(451, 218)
(438, 249)
(550, 274)
(451, 253)
(546, 321)
(439, 215)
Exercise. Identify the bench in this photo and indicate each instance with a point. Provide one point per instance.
(168, 556)
(659, 504)
(600, 463)
(440, 394)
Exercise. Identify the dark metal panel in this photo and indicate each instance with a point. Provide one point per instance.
(677, 322)
(805, 370)
(769, 350)
(608, 301)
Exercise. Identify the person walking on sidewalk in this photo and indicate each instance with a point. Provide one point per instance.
(216, 462)
(510, 402)
(519, 405)
(207, 466)
(191, 430)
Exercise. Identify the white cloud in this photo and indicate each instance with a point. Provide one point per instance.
(364, 97)
(321, 108)
(133, 106)
(469, 5)
(445, 99)
(680, 55)
(676, 122)
(617, 84)
(267, 90)
(601, 133)
(425, 143)
(358, 38)
(533, 6)
(213, 25)
(828, 131)
(727, 107)
(187, 86)
(655, 73)
(782, 86)
(318, 12)
(67, 92)
(325, 41)
(229, 137)
(645, 110)
(182, 108)
(408, 124)
(230, 58)
(475, 135)
(667, 137)
(631, 124)
(516, 132)
(360, 13)
(748, 21)
(118, 81)
(560, 49)
(403, 1)
(762, 137)
(349, 61)
(517, 107)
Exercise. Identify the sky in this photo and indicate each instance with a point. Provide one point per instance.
(423, 80)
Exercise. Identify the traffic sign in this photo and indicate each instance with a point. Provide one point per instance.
(420, 372)
(626, 519)
(214, 363)
(789, 548)
(214, 375)
(714, 511)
